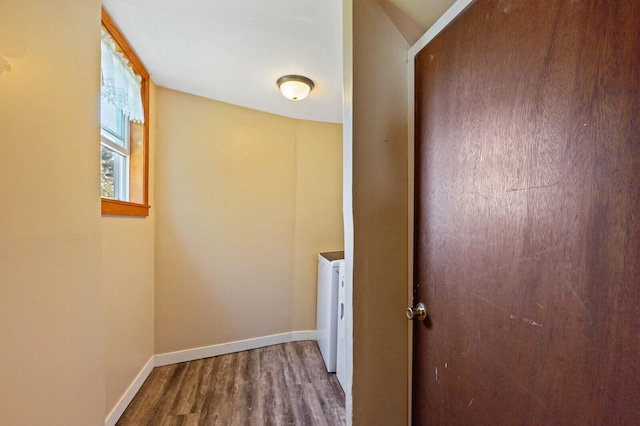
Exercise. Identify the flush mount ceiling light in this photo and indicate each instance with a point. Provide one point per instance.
(295, 87)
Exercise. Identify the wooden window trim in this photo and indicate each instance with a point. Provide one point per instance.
(139, 155)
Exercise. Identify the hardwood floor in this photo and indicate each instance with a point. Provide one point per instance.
(285, 384)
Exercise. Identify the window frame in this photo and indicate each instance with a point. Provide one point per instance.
(138, 155)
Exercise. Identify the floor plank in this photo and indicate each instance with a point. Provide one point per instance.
(285, 384)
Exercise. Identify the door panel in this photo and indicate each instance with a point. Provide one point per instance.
(527, 237)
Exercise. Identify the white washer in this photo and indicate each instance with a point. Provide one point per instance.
(327, 310)
(341, 354)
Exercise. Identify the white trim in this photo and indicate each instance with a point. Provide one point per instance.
(411, 129)
(199, 353)
(347, 195)
(452, 13)
(127, 397)
(231, 347)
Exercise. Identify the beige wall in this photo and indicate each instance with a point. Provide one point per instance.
(380, 377)
(128, 265)
(51, 301)
(240, 216)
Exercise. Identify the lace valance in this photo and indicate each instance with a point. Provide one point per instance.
(119, 85)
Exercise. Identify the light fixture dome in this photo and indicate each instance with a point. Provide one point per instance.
(295, 87)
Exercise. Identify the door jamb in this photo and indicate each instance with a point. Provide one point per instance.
(410, 221)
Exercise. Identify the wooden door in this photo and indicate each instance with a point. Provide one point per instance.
(527, 237)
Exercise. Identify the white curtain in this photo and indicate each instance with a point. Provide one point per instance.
(119, 85)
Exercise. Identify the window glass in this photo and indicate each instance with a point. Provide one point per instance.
(113, 123)
(114, 182)
(114, 153)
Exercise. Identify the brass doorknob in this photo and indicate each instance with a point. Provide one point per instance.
(419, 312)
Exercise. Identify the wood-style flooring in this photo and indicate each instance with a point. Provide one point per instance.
(285, 384)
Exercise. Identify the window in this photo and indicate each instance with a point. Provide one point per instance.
(114, 152)
(124, 126)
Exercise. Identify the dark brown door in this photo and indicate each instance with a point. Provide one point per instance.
(527, 237)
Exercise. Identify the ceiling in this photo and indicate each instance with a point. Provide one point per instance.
(235, 50)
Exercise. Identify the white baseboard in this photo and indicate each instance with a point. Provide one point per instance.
(198, 353)
(231, 347)
(126, 399)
